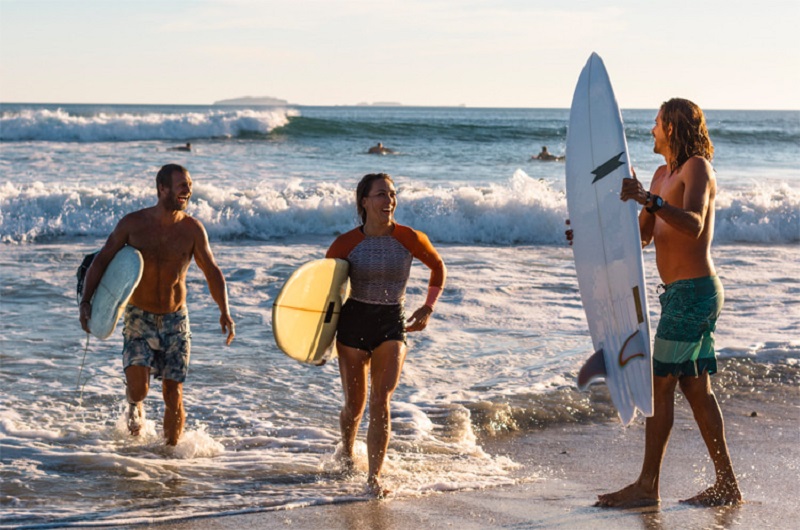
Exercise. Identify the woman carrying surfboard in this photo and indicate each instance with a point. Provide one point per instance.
(371, 334)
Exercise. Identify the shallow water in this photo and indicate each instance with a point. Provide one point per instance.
(274, 188)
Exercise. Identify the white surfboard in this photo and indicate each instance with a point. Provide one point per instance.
(607, 246)
(306, 311)
(114, 290)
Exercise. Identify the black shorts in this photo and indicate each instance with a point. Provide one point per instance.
(367, 326)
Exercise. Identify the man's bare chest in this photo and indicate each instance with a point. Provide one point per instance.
(670, 188)
(163, 244)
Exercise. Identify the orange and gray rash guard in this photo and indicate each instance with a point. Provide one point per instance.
(380, 266)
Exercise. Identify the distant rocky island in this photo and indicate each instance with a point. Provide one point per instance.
(380, 104)
(254, 101)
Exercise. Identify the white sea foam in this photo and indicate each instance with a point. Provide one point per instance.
(62, 126)
(523, 210)
(500, 355)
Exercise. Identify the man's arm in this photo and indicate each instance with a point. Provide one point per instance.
(697, 177)
(216, 281)
(647, 224)
(115, 241)
(633, 189)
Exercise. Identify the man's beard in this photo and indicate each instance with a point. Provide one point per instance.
(175, 204)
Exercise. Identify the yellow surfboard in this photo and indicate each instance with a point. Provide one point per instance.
(306, 311)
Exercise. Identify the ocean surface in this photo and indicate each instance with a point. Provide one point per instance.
(274, 187)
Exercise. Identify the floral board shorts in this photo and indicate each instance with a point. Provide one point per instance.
(684, 343)
(161, 342)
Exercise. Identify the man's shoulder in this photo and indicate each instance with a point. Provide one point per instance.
(191, 225)
(698, 162)
(697, 167)
(136, 218)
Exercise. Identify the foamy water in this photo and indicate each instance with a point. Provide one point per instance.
(521, 210)
(500, 355)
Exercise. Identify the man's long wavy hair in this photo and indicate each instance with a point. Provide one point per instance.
(689, 131)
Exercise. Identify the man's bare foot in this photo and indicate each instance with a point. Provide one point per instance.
(717, 495)
(375, 489)
(633, 496)
(134, 418)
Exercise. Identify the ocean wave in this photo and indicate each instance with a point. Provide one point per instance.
(459, 130)
(63, 126)
(520, 211)
(759, 133)
(762, 214)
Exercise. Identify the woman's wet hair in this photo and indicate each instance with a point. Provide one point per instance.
(363, 189)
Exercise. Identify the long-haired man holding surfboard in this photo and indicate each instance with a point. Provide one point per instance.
(678, 216)
(157, 336)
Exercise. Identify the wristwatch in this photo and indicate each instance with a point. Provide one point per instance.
(658, 203)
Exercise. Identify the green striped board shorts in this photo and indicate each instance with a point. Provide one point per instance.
(684, 343)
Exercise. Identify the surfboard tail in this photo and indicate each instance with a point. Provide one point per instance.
(594, 368)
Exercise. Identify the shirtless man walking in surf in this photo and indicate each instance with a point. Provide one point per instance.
(157, 335)
(679, 218)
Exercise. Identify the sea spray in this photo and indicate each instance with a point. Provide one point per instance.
(62, 125)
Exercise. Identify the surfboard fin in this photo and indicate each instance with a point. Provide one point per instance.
(592, 369)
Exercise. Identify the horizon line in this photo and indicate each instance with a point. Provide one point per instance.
(361, 105)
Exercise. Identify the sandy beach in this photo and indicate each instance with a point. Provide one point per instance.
(564, 468)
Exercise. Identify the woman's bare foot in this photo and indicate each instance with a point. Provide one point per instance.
(633, 496)
(375, 489)
(134, 418)
(347, 464)
(717, 495)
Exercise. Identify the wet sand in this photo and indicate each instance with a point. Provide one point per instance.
(565, 467)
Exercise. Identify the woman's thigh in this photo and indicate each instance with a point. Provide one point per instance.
(387, 364)
(353, 369)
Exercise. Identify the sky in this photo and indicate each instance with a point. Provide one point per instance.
(479, 53)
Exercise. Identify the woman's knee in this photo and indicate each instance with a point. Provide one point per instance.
(379, 401)
(354, 407)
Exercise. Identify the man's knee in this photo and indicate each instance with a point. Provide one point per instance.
(173, 393)
(137, 382)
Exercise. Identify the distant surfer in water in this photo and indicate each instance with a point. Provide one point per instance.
(379, 149)
(187, 147)
(678, 216)
(371, 333)
(546, 155)
(156, 335)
